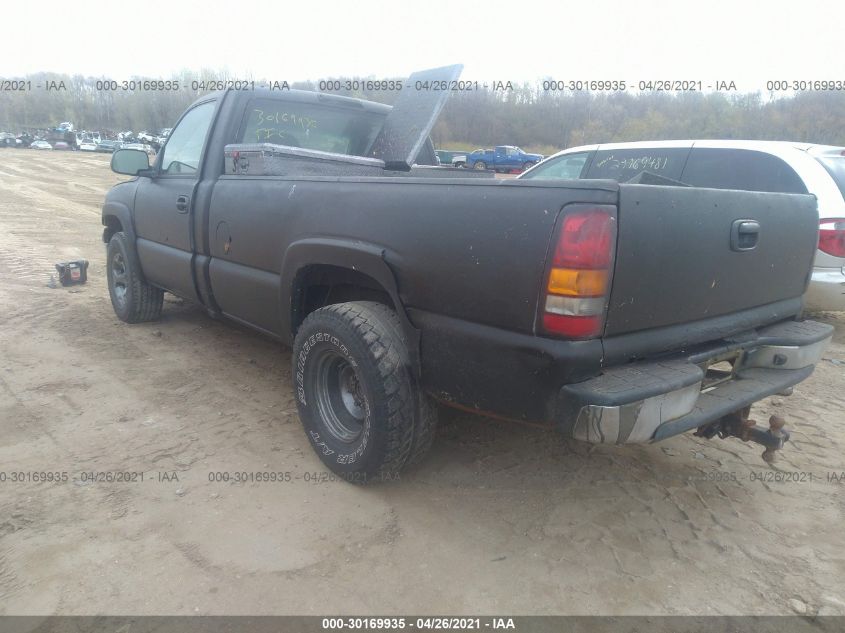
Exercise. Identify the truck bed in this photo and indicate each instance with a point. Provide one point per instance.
(271, 159)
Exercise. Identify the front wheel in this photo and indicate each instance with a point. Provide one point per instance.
(528, 165)
(480, 165)
(357, 396)
(133, 299)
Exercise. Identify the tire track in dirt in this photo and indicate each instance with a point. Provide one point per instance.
(500, 517)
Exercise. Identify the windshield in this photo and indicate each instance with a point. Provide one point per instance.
(835, 166)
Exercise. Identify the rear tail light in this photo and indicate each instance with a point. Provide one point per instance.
(578, 280)
(832, 236)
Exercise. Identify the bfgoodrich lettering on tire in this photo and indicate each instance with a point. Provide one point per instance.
(356, 393)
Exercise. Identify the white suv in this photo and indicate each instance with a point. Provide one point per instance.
(749, 165)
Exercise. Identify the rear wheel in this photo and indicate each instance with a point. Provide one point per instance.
(356, 392)
(133, 299)
(480, 165)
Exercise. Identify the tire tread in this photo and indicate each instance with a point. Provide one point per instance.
(409, 426)
(145, 300)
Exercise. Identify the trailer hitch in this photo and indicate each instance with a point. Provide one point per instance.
(737, 424)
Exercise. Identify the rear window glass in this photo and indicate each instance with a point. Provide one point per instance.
(623, 164)
(835, 166)
(310, 126)
(567, 167)
(743, 169)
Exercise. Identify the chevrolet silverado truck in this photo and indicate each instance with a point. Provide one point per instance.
(617, 312)
(502, 158)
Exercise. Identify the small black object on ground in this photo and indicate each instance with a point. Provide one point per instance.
(71, 273)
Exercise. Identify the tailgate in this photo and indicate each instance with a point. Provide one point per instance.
(677, 260)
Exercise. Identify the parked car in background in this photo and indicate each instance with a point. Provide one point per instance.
(86, 136)
(502, 158)
(61, 139)
(40, 145)
(774, 166)
(109, 146)
(455, 158)
(141, 146)
(88, 145)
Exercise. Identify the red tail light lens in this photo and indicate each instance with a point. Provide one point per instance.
(578, 280)
(832, 236)
(585, 240)
(572, 326)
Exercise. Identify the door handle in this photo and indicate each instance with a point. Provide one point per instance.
(182, 204)
(744, 235)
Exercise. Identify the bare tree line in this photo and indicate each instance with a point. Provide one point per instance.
(526, 115)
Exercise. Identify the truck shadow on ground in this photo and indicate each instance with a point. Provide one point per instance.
(470, 449)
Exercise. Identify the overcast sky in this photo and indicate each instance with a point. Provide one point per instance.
(748, 42)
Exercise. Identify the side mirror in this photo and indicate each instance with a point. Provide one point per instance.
(129, 161)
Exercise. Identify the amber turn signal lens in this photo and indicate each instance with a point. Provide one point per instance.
(578, 283)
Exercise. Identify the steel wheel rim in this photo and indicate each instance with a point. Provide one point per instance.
(117, 268)
(340, 397)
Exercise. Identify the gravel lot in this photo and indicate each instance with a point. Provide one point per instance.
(501, 518)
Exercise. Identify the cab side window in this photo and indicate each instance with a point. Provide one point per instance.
(183, 150)
(743, 169)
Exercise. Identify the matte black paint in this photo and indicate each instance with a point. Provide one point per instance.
(674, 263)
(463, 260)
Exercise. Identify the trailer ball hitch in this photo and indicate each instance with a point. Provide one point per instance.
(737, 424)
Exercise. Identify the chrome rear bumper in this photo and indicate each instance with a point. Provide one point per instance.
(645, 402)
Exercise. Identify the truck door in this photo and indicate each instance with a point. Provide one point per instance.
(164, 204)
(514, 158)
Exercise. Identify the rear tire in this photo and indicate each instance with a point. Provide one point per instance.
(133, 299)
(357, 396)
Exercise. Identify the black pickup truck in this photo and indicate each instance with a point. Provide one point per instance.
(621, 313)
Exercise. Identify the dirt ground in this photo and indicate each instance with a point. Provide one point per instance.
(500, 519)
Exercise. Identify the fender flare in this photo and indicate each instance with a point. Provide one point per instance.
(124, 216)
(368, 259)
